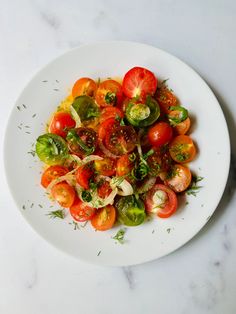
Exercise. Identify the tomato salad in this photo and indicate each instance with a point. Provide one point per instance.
(118, 151)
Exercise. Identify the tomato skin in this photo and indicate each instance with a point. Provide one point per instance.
(105, 167)
(84, 174)
(111, 112)
(51, 174)
(124, 165)
(180, 180)
(104, 189)
(84, 86)
(183, 127)
(64, 194)
(60, 122)
(104, 218)
(109, 87)
(169, 206)
(80, 211)
(159, 134)
(182, 149)
(139, 82)
(165, 99)
(105, 127)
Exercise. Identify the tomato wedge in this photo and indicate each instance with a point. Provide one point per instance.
(104, 218)
(179, 178)
(105, 167)
(104, 189)
(183, 127)
(182, 149)
(61, 123)
(109, 93)
(84, 86)
(80, 211)
(139, 82)
(161, 200)
(63, 193)
(111, 112)
(82, 141)
(124, 165)
(165, 99)
(51, 173)
(84, 174)
(160, 134)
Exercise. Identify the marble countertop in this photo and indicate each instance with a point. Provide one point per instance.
(198, 278)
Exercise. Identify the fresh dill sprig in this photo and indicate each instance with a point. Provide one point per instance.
(57, 214)
(120, 236)
(194, 187)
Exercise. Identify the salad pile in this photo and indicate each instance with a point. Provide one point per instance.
(117, 151)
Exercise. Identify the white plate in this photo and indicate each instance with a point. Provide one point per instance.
(157, 237)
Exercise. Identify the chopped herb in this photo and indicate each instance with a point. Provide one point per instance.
(76, 225)
(164, 81)
(187, 203)
(194, 188)
(31, 205)
(23, 207)
(99, 81)
(122, 122)
(132, 157)
(99, 253)
(202, 205)
(208, 218)
(120, 236)
(84, 225)
(168, 230)
(86, 196)
(109, 78)
(27, 126)
(93, 185)
(153, 231)
(34, 115)
(40, 205)
(19, 127)
(57, 81)
(57, 214)
(44, 81)
(116, 181)
(27, 132)
(110, 98)
(149, 153)
(56, 89)
(24, 106)
(19, 108)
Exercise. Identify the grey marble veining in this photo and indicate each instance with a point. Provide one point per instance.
(199, 278)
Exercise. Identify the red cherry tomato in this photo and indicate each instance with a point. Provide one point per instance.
(104, 189)
(159, 134)
(124, 165)
(111, 112)
(60, 123)
(139, 82)
(51, 174)
(104, 218)
(109, 93)
(182, 149)
(84, 174)
(165, 99)
(80, 211)
(161, 200)
(105, 167)
(84, 86)
(63, 193)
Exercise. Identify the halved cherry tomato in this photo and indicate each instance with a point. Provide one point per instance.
(82, 141)
(63, 193)
(180, 178)
(61, 123)
(182, 149)
(51, 173)
(159, 134)
(183, 127)
(124, 165)
(104, 218)
(111, 112)
(105, 127)
(109, 93)
(84, 86)
(121, 140)
(139, 82)
(159, 162)
(161, 200)
(84, 174)
(165, 99)
(104, 189)
(80, 211)
(105, 167)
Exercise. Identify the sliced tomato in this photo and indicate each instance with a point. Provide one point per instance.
(51, 173)
(105, 127)
(183, 127)
(61, 123)
(139, 82)
(165, 99)
(111, 112)
(84, 86)
(160, 134)
(80, 211)
(64, 194)
(104, 189)
(124, 165)
(82, 141)
(161, 200)
(84, 174)
(179, 178)
(104, 218)
(109, 93)
(121, 140)
(105, 167)
(182, 149)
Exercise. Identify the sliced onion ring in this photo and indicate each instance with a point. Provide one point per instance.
(106, 151)
(147, 185)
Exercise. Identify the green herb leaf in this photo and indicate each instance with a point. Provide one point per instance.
(120, 236)
(86, 196)
(57, 214)
(110, 98)
(194, 188)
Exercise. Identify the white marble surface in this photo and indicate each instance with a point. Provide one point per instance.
(198, 278)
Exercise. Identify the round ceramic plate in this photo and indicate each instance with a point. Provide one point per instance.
(157, 237)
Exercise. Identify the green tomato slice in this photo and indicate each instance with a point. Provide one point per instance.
(183, 115)
(51, 149)
(85, 107)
